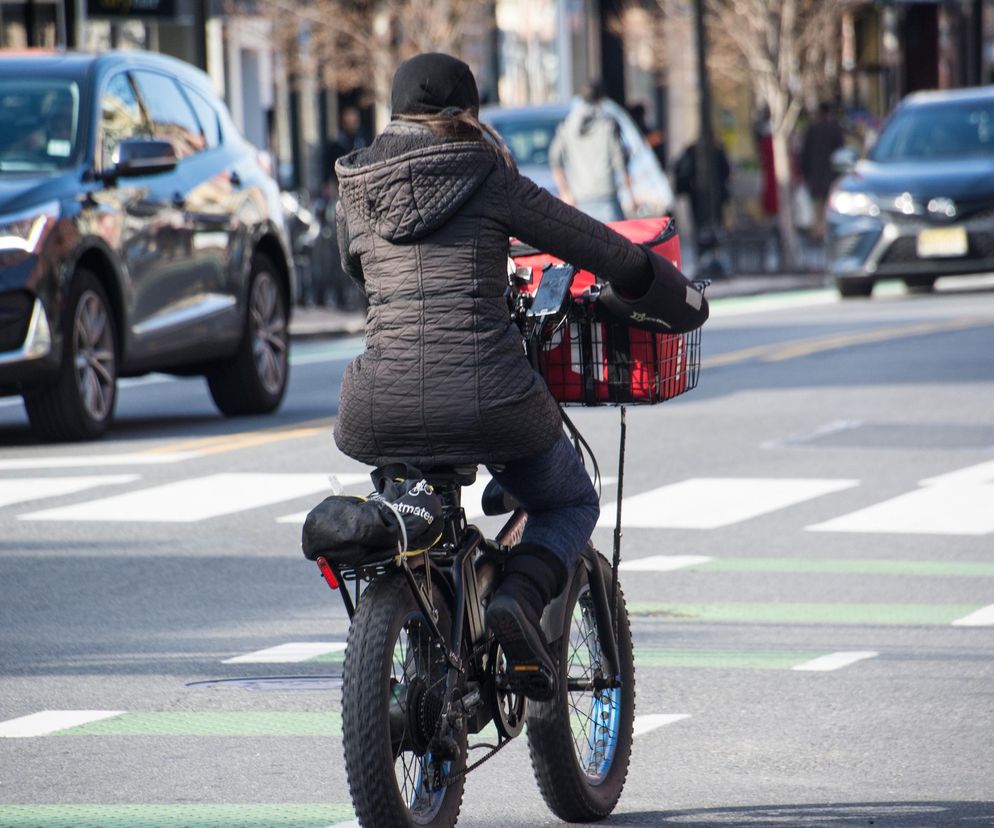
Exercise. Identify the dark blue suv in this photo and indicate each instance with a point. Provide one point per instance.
(138, 232)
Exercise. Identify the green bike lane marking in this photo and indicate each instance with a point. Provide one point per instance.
(172, 815)
(796, 613)
(804, 566)
(722, 659)
(850, 566)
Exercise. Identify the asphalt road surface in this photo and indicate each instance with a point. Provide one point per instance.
(809, 561)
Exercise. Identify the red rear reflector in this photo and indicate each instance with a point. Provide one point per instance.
(329, 576)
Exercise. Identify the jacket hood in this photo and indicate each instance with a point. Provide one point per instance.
(411, 195)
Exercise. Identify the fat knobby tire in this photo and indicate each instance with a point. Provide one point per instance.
(369, 763)
(568, 792)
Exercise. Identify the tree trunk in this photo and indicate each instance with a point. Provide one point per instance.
(785, 215)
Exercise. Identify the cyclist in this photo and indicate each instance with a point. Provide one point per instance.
(425, 216)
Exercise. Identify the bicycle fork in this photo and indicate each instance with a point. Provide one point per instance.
(554, 623)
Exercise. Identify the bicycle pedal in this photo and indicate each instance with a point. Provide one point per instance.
(532, 680)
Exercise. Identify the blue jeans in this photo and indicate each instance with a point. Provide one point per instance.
(556, 491)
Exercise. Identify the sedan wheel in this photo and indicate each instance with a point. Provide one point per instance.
(80, 404)
(254, 380)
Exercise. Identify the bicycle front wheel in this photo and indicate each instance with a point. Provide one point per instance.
(581, 741)
(392, 697)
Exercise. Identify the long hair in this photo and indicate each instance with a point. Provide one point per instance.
(462, 125)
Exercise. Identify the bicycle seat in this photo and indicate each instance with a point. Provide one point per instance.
(438, 476)
(451, 475)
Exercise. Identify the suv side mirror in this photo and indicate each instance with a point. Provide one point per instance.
(843, 160)
(142, 156)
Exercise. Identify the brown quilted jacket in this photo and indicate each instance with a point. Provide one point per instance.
(444, 378)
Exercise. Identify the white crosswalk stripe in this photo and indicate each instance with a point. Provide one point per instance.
(51, 721)
(21, 490)
(653, 721)
(87, 461)
(292, 653)
(708, 503)
(960, 502)
(663, 563)
(833, 661)
(338, 482)
(191, 500)
(983, 617)
(950, 509)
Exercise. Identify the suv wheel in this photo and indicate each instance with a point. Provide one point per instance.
(854, 287)
(254, 380)
(80, 404)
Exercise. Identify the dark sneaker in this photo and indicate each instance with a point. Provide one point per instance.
(532, 577)
(531, 667)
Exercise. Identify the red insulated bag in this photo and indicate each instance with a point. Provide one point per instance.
(588, 360)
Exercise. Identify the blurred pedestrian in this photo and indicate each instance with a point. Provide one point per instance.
(769, 200)
(330, 284)
(823, 137)
(588, 159)
(690, 181)
(655, 138)
(349, 139)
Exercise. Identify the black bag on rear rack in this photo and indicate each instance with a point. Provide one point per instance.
(402, 515)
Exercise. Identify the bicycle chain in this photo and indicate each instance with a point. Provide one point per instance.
(455, 777)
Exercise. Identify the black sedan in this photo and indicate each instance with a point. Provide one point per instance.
(921, 205)
(138, 232)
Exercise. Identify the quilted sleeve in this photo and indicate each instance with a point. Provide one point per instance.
(541, 220)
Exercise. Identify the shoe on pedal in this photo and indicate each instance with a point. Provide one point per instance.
(532, 577)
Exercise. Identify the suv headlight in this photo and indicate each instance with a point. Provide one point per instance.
(25, 231)
(853, 204)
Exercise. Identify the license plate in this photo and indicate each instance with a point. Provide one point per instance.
(942, 241)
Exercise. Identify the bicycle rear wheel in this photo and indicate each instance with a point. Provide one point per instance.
(581, 741)
(394, 684)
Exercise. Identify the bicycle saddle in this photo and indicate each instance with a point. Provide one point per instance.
(438, 476)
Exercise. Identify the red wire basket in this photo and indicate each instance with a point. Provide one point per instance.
(587, 360)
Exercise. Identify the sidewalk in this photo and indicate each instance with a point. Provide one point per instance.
(329, 323)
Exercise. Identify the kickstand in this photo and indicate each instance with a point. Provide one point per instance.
(616, 560)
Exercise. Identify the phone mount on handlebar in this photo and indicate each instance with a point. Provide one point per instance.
(552, 292)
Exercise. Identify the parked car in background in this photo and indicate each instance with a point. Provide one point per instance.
(138, 232)
(921, 205)
(528, 131)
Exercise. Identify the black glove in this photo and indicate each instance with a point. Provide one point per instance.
(672, 303)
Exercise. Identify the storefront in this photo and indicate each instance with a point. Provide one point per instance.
(896, 47)
(28, 23)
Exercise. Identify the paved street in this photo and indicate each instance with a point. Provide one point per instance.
(808, 561)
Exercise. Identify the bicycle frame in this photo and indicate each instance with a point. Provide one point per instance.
(451, 564)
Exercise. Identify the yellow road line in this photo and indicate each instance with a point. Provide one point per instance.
(258, 438)
(780, 351)
(217, 444)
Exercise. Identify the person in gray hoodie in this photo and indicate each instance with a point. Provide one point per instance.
(587, 158)
(424, 221)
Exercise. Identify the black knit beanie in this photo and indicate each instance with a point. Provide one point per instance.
(428, 83)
